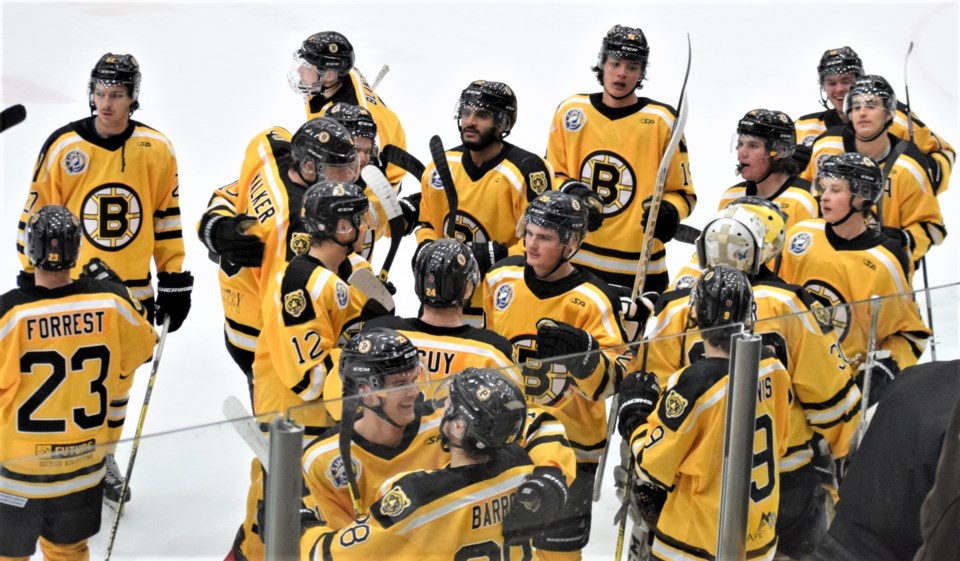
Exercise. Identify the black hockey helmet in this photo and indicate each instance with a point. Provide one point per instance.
(325, 142)
(116, 70)
(839, 61)
(722, 296)
(775, 127)
(871, 86)
(356, 119)
(52, 238)
(492, 408)
(861, 172)
(374, 353)
(327, 202)
(328, 49)
(446, 274)
(557, 211)
(623, 43)
(496, 97)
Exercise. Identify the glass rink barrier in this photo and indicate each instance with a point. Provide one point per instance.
(193, 489)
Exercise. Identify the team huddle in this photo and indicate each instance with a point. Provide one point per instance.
(478, 428)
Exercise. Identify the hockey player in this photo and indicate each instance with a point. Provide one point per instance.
(494, 180)
(843, 263)
(120, 177)
(679, 446)
(613, 141)
(746, 236)
(324, 74)
(309, 303)
(69, 350)
(765, 145)
(548, 308)
(838, 69)
(457, 512)
(907, 210)
(253, 226)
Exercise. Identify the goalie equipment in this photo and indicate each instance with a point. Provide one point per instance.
(734, 238)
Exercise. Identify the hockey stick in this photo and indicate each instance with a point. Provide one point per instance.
(403, 160)
(345, 437)
(136, 436)
(678, 125)
(867, 372)
(686, 234)
(439, 156)
(12, 116)
(379, 78)
(246, 426)
(364, 280)
(378, 184)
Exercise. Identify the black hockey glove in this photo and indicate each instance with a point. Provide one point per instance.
(411, 211)
(801, 155)
(667, 219)
(173, 298)
(97, 269)
(390, 287)
(638, 398)
(643, 502)
(226, 236)
(537, 503)
(556, 338)
(903, 237)
(487, 253)
(883, 372)
(589, 198)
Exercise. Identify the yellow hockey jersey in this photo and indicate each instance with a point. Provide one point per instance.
(793, 197)
(843, 275)
(67, 358)
(514, 300)
(617, 153)
(356, 91)
(809, 127)
(124, 189)
(908, 201)
(680, 449)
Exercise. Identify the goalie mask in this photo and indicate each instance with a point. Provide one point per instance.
(734, 238)
(116, 70)
(52, 239)
(492, 409)
(774, 224)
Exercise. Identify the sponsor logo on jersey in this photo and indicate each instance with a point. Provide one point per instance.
(394, 502)
(75, 161)
(342, 295)
(612, 178)
(111, 216)
(295, 303)
(338, 476)
(67, 450)
(538, 181)
(674, 404)
(300, 243)
(503, 297)
(574, 119)
(800, 243)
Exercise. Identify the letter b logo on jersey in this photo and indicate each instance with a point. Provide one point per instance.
(111, 216)
(612, 178)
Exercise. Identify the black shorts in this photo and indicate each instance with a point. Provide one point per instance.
(61, 520)
(570, 530)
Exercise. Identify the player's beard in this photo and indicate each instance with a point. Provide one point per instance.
(486, 139)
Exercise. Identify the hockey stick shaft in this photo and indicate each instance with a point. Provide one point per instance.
(404, 160)
(439, 156)
(12, 116)
(344, 442)
(136, 436)
(380, 186)
(380, 75)
(867, 373)
(246, 426)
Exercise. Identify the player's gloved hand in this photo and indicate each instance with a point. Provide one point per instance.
(372, 308)
(635, 310)
(173, 298)
(538, 501)
(667, 219)
(801, 155)
(227, 237)
(97, 269)
(589, 198)
(638, 398)
(556, 338)
(885, 369)
(936, 172)
(902, 237)
(487, 253)
(410, 205)
(390, 287)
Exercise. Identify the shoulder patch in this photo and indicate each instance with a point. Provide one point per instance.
(674, 404)
(503, 297)
(538, 181)
(300, 243)
(338, 475)
(394, 502)
(342, 294)
(75, 161)
(574, 119)
(294, 303)
(800, 243)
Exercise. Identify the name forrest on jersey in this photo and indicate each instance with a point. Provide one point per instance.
(65, 325)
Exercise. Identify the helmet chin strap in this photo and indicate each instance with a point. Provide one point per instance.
(853, 210)
(559, 264)
(379, 412)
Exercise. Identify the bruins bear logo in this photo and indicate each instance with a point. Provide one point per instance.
(294, 303)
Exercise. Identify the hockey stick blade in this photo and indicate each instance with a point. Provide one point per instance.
(12, 116)
(381, 188)
(403, 160)
(686, 234)
(246, 426)
(365, 281)
(439, 156)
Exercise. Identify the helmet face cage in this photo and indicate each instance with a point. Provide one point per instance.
(722, 296)
(774, 223)
(491, 407)
(776, 128)
(863, 175)
(371, 355)
(327, 202)
(835, 62)
(735, 239)
(496, 97)
(446, 274)
(869, 90)
(325, 142)
(116, 70)
(52, 239)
